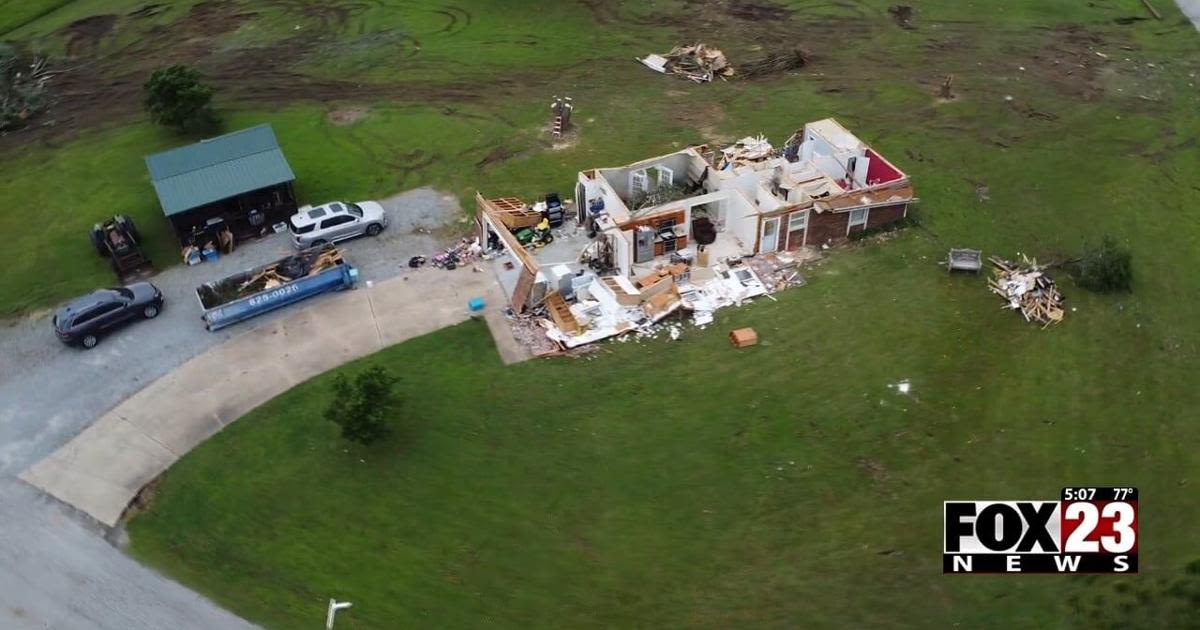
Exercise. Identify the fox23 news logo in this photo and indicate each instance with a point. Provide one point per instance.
(1089, 530)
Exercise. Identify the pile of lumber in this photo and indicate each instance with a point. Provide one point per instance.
(748, 150)
(1025, 287)
(697, 63)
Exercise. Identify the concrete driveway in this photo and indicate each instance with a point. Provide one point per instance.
(56, 568)
(102, 469)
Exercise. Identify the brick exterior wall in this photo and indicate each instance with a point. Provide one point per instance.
(827, 227)
(885, 215)
(795, 240)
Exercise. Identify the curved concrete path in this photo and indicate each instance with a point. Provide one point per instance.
(104, 467)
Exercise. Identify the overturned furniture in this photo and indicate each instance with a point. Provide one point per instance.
(1025, 287)
(288, 280)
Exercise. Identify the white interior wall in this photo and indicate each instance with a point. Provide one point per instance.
(622, 242)
(741, 220)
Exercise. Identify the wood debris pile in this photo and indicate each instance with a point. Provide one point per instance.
(1025, 287)
(309, 262)
(748, 150)
(697, 63)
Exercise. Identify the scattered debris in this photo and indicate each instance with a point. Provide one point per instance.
(748, 150)
(1026, 287)
(944, 92)
(774, 63)
(696, 63)
(1152, 10)
(23, 92)
(902, 14)
(964, 260)
(743, 337)
(902, 387)
(466, 250)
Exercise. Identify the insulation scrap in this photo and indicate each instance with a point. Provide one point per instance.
(748, 150)
(697, 63)
(1025, 287)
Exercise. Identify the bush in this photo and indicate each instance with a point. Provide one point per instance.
(176, 97)
(363, 407)
(1106, 268)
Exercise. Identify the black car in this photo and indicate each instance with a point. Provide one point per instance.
(83, 320)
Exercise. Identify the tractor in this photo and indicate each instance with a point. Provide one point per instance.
(117, 239)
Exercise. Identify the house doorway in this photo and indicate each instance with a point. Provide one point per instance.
(769, 241)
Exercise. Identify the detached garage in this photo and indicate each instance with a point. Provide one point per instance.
(239, 181)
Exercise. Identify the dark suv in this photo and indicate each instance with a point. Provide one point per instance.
(83, 320)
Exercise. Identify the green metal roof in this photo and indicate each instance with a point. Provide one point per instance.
(218, 168)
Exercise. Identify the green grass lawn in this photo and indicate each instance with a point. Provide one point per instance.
(655, 486)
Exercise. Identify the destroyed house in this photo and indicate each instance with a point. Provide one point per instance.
(748, 198)
(240, 180)
(703, 206)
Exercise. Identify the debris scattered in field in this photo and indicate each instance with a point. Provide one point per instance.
(902, 14)
(774, 63)
(1025, 287)
(903, 386)
(696, 63)
(23, 92)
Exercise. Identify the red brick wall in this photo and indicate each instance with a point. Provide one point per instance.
(827, 227)
(885, 215)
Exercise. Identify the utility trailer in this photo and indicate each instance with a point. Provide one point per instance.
(286, 281)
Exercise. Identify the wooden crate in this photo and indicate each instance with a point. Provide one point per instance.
(743, 337)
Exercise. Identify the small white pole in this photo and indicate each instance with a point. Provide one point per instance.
(334, 607)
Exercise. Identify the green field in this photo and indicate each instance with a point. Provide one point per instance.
(655, 486)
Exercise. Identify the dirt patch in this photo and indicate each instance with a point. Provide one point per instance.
(902, 15)
(344, 116)
(1068, 61)
(83, 36)
(744, 10)
(877, 470)
(330, 16)
(499, 154)
(107, 88)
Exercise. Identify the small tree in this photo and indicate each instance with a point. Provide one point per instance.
(176, 97)
(1106, 268)
(362, 407)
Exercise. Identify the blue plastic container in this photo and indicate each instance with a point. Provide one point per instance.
(476, 304)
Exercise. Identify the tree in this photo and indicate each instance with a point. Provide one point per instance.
(176, 97)
(1105, 269)
(362, 407)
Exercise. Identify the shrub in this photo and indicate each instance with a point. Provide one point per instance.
(176, 97)
(1106, 268)
(362, 407)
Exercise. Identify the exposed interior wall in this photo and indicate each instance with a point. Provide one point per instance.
(619, 178)
(881, 172)
(622, 242)
(742, 220)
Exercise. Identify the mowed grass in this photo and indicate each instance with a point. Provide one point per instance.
(653, 485)
(685, 483)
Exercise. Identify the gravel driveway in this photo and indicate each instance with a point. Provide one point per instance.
(56, 570)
